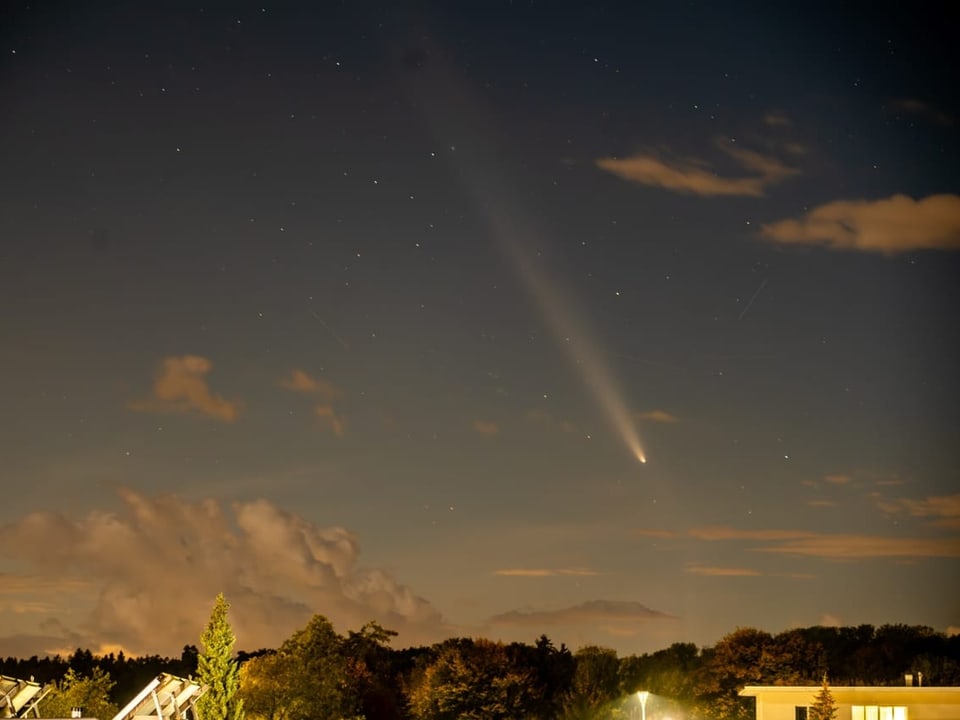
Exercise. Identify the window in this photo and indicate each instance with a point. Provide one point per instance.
(800, 712)
(877, 712)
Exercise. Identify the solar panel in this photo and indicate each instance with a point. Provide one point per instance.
(18, 697)
(166, 697)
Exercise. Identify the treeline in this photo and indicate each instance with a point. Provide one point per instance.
(319, 674)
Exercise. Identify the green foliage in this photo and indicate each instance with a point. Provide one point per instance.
(371, 688)
(317, 674)
(305, 678)
(217, 669)
(473, 680)
(89, 692)
(824, 707)
(595, 683)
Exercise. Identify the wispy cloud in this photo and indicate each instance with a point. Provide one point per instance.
(893, 225)
(722, 532)
(922, 109)
(658, 416)
(775, 118)
(546, 572)
(486, 427)
(595, 611)
(276, 568)
(697, 177)
(329, 420)
(835, 546)
(837, 479)
(942, 510)
(180, 386)
(548, 420)
(303, 382)
(721, 571)
(654, 533)
(821, 503)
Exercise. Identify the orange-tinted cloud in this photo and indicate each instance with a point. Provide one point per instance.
(777, 119)
(658, 416)
(835, 546)
(330, 420)
(300, 381)
(924, 110)
(721, 532)
(837, 479)
(943, 510)
(721, 571)
(696, 177)
(546, 572)
(486, 427)
(821, 503)
(180, 386)
(275, 567)
(893, 225)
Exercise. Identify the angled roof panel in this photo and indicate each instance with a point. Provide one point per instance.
(16, 694)
(166, 697)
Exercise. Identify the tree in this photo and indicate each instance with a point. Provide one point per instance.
(824, 707)
(472, 680)
(372, 689)
(89, 692)
(217, 669)
(305, 678)
(595, 683)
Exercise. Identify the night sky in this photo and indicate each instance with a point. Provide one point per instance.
(627, 323)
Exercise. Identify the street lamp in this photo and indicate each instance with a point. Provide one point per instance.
(642, 697)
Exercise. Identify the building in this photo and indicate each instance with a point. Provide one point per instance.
(775, 702)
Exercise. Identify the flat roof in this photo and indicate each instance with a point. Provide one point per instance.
(754, 690)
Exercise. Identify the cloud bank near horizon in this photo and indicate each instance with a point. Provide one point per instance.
(147, 576)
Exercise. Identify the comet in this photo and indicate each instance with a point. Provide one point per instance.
(453, 112)
(568, 326)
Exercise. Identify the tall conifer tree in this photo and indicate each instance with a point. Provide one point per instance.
(824, 707)
(217, 669)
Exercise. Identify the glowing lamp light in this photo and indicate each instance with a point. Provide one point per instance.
(642, 696)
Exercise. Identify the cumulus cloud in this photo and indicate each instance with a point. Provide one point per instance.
(658, 416)
(892, 225)
(157, 564)
(835, 546)
(710, 571)
(181, 386)
(486, 427)
(592, 612)
(546, 572)
(696, 177)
